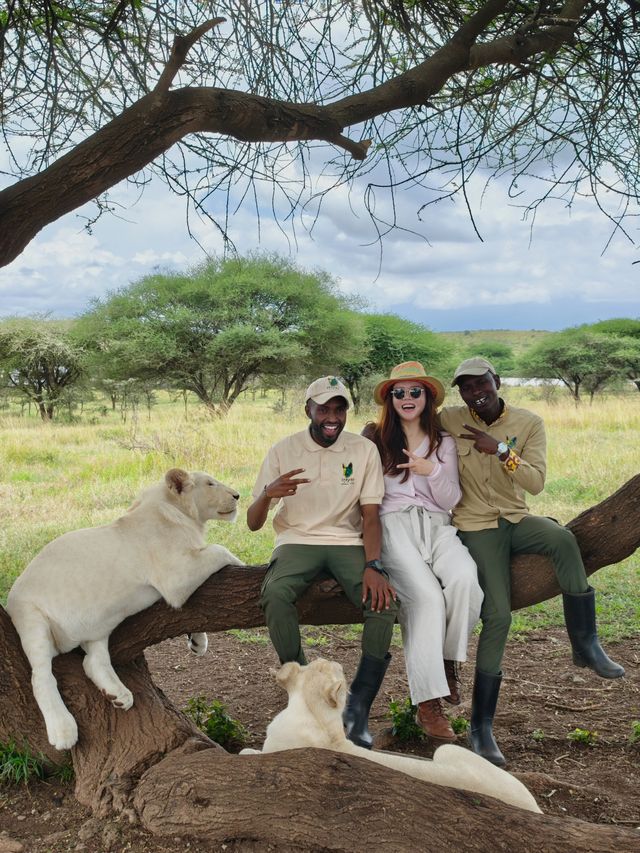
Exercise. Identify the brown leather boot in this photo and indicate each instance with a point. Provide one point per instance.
(431, 719)
(453, 680)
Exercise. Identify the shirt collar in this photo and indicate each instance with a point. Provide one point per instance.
(479, 420)
(314, 447)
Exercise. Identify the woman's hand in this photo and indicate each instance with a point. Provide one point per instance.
(417, 464)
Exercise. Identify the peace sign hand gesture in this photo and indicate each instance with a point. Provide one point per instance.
(482, 441)
(417, 464)
(285, 485)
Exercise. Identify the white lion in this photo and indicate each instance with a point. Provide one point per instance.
(83, 584)
(313, 718)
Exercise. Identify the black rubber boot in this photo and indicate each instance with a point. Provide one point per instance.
(580, 619)
(362, 692)
(486, 688)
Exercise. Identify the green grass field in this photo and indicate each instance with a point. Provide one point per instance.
(58, 477)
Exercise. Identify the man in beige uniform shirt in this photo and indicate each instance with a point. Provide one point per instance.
(501, 456)
(327, 524)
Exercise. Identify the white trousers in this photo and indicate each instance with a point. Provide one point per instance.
(438, 592)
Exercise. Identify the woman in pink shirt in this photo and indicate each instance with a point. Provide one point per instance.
(431, 570)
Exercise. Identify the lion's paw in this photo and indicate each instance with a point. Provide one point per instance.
(62, 732)
(198, 643)
(123, 700)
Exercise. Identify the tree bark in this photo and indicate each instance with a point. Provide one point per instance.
(153, 762)
(318, 800)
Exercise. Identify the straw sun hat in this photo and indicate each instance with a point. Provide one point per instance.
(412, 371)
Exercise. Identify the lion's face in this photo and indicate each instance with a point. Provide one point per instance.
(213, 499)
(202, 496)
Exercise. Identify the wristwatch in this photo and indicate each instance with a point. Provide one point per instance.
(502, 448)
(375, 564)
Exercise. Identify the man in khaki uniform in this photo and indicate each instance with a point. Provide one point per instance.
(501, 456)
(327, 524)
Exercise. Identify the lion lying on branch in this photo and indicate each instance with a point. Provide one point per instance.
(85, 583)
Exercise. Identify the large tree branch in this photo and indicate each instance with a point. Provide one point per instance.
(607, 533)
(341, 803)
(153, 124)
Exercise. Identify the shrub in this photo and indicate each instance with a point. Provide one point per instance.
(403, 720)
(583, 736)
(212, 718)
(460, 725)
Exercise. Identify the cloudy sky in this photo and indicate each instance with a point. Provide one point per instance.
(549, 277)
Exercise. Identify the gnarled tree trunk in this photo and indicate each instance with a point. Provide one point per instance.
(153, 761)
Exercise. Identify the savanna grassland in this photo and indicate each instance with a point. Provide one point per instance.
(61, 476)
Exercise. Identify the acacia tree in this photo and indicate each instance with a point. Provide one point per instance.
(216, 329)
(628, 331)
(40, 361)
(433, 90)
(390, 340)
(583, 360)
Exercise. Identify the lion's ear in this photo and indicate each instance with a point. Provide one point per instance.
(332, 693)
(178, 480)
(287, 675)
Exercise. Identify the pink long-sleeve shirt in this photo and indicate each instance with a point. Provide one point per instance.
(438, 491)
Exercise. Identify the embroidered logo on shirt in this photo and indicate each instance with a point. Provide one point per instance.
(347, 470)
(511, 442)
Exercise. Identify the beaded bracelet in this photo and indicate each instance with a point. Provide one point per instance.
(512, 461)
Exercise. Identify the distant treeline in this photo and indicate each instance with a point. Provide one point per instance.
(261, 322)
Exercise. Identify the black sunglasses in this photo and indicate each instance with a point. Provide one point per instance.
(399, 393)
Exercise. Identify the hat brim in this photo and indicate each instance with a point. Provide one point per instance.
(323, 398)
(381, 391)
(472, 371)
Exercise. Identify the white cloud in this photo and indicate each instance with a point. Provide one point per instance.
(553, 277)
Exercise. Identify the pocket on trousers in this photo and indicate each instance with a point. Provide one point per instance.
(268, 575)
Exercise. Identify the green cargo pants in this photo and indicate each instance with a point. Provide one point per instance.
(492, 550)
(292, 570)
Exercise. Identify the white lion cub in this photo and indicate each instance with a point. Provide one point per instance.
(313, 718)
(83, 584)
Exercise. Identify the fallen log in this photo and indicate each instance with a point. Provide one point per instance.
(318, 800)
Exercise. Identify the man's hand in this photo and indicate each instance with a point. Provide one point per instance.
(482, 441)
(417, 464)
(381, 591)
(285, 485)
